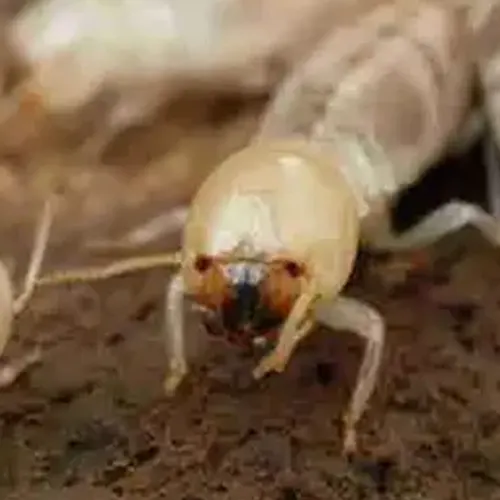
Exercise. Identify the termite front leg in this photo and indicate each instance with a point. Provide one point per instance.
(174, 334)
(351, 314)
(296, 327)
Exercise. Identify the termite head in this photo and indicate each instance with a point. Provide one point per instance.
(273, 223)
(245, 300)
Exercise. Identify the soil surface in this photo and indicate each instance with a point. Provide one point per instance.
(91, 421)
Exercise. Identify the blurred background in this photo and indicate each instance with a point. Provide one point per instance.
(123, 145)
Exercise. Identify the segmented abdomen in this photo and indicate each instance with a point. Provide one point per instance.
(399, 75)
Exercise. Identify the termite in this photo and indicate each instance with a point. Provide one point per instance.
(271, 236)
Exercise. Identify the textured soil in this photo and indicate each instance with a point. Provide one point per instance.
(91, 420)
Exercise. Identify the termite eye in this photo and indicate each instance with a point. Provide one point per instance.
(202, 263)
(293, 269)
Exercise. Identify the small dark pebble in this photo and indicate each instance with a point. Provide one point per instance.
(144, 311)
(427, 451)
(113, 474)
(11, 418)
(454, 395)
(466, 341)
(488, 424)
(117, 491)
(65, 396)
(71, 479)
(68, 395)
(95, 437)
(462, 313)
(145, 455)
(325, 373)
(289, 493)
(379, 471)
(113, 338)
(219, 488)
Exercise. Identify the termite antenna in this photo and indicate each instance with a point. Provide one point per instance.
(117, 268)
(164, 224)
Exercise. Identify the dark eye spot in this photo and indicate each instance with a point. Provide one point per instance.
(202, 263)
(293, 269)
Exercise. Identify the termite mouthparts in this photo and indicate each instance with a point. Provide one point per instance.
(245, 301)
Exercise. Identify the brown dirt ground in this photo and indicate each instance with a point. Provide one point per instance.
(91, 420)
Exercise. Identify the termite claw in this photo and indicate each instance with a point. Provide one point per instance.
(173, 380)
(350, 444)
(273, 362)
(170, 384)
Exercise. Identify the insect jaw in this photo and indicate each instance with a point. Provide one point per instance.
(246, 300)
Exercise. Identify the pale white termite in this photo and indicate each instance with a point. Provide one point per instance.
(272, 234)
(140, 54)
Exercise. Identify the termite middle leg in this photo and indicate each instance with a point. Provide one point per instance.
(447, 219)
(174, 334)
(351, 314)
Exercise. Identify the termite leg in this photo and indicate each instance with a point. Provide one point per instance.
(6, 307)
(350, 314)
(296, 327)
(444, 221)
(174, 334)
